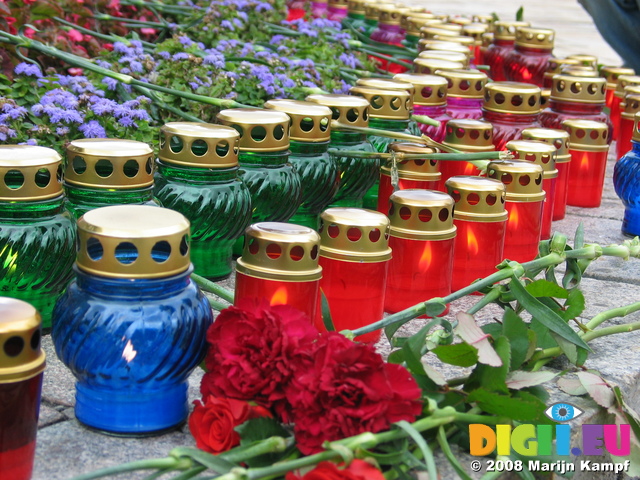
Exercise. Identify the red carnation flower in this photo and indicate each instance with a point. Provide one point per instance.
(350, 390)
(253, 352)
(212, 423)
(357, 470)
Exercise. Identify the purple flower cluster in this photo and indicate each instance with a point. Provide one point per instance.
(28, 70)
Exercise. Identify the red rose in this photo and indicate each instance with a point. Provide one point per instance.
(349, 390)
(212, 424)
(253, 352)
(357, 470)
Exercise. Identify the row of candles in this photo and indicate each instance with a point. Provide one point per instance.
(437, 228)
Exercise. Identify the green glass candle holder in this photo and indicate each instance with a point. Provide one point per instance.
(197, 175)
(37, 236)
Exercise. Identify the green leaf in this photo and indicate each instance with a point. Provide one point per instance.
(568, 348)
(514, 328)
(446, 449)
(458, 354)
(492, 378)
(434, 308)
(544, 288)
(520, 14)
(527, 408)
(469, 331)
(544, 314)
(543, 335)
(578, 240)
(571, 386)
(519, 379)
(574, 306)
(326, 313)
(533, 339)
(597, 388)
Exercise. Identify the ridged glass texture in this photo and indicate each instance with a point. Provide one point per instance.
(37, 251)
(80, 200)
(527, 65)
(494, 57)
(509, 126)
(218, 205)
(357, 175)
(319, 179)
(436, 112)
(131, 344)
(626, 180)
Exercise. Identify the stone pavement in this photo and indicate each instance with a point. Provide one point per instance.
(66, 448)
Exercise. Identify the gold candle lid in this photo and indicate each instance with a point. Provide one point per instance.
(386, 84)
(421, 215)
(587, 135)
(626, 81)
(21, 357)
(545, 94)
(556, 64)
(194, 144)
(567, 88)
(630, 106)
(280, 251)
(579, 71)
(109, 163)
(354, 235)
(531, 37)
(260, 130)
(133, 241)
(424, 170)
(310, 122)
(464, 83)
(488, 19)
(356, 7)
(507, 30)
(432, 31)
(540, 153)
(460, 39)
(429, 89)
(636, 128)
(469, 135)
(372, 10)
(431, 65)
(425, 44)
(475, 30)
(446, 55)
(413, 22)
(389, 14)
(390, 104)
(557, 138)
(460, 20)
(477, 199)
(611, 74)
(487, 39)
(29, 173)
(586, 60)
(348, 109)
(512, 97)
(522, 180)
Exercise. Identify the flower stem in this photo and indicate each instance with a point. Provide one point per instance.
(156, 463)
(211, 287)
(425, 120)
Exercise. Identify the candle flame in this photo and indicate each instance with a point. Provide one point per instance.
(472, 242)
(469, 169)
(584, 162)
(514, 219)
(425, 259)
(280, 297)
(129, 353)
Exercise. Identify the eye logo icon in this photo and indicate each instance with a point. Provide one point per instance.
(563, 412)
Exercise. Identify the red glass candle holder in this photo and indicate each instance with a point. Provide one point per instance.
(588, 147)
(630, 107)
(279, 265)
(418, 173)
(319, 8)
(510, 107)
(504, 39)
(337, 10)
(388, 31)
(22, 362)
(542, 154)
(354, 255)
(422, 239)
(465, 92)
(481, 218)
(524, 202)
(529, 60)
(624, 82)
(560, 140)
(467, 136)
(611, 74)
(476, 31)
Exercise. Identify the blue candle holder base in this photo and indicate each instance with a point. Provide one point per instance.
(631, 222)
(132, 413)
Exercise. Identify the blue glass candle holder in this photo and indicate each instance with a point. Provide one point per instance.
(132, 326)
(626, 180)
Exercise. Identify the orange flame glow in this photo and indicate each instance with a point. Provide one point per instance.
(584, 162)
(472, 242)
(514, 219)
(469, 169)
(280, 297)
(425, 259)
